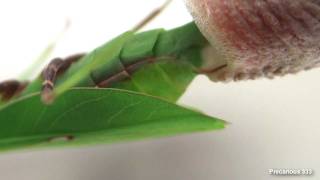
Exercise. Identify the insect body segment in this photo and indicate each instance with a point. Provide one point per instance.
(137, 52)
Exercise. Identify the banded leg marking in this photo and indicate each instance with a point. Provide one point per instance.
(56, 67)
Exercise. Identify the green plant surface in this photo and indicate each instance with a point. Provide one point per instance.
(85, 116)
(167, 79)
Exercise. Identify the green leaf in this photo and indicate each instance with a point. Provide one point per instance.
(167, 79)
(92, 116)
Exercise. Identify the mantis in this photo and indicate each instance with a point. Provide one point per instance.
(138, 50)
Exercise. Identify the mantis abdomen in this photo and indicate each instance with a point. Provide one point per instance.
(162, 51)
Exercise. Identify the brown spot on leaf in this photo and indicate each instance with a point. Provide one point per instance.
(65, 138)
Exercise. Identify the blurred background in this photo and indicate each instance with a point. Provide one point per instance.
(274, 124)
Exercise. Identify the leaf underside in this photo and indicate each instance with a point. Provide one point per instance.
(86, 116)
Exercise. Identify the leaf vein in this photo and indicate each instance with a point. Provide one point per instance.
(56, 120)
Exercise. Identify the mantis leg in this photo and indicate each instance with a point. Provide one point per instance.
(11, 88)
(55, 68)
